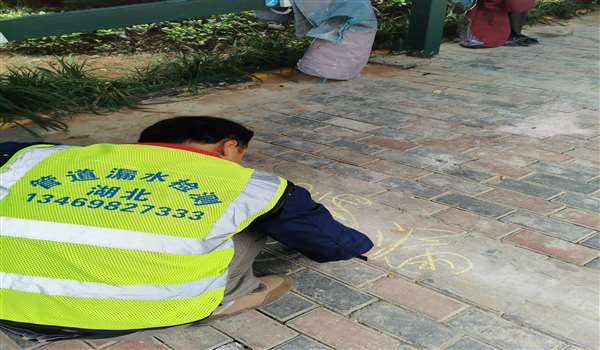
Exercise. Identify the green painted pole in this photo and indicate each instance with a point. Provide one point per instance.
(426, 27)
(83, 21)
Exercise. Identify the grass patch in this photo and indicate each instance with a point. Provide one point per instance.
(551, 10)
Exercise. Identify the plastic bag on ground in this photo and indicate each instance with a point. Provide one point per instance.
(338, 61)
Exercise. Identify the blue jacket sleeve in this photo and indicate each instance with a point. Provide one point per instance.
(308, 227)
(8, 149)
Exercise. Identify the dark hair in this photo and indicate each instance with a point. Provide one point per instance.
(196, 128)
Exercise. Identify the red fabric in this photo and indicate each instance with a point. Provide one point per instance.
(519, 5)
(182, 147)
(490, 24)
(489, 19)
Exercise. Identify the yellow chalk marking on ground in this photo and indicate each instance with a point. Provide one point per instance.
(341, 206)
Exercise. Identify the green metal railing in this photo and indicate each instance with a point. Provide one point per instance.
(83, 21)
(424, 35)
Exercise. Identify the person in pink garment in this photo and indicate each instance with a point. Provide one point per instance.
(494, 23)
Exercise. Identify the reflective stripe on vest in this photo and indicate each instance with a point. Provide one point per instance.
(22, 162)
(104, 237)
(71, 288)
(80, 265)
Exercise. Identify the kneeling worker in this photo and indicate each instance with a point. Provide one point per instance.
(109, 239)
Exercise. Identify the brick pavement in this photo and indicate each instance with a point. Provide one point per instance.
(475, 173)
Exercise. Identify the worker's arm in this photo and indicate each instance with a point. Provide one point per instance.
(308, 227)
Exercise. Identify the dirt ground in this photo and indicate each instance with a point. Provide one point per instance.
(103, 66)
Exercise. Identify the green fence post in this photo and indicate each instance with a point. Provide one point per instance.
(426, 27)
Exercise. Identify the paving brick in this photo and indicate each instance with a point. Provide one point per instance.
(346, 170)
(336, 132)
(346, 156)
(567, 232)
(257, 160)
(594, 264)
(296, 122)
(454, 183)
(593, 242)
(541, 154)
(268, 134)
(299, 145)
(342, 333)
(380, 116)
(459, 144)
(554, 247)
(566, 170)
(412, 296)
(359, 147)
(518, 200)
(579, 217)
(302, 343)
(584, 153)
(21, 342)
(578, 201)
(351, 124)
(304, 158)
(287, 307)
(396, 134)
(498, 167)
(474, 223)
(100, 343)
(6, 343)
(232, 346)
(193, 337)
(467, 173)
(76, 345)
(329, 292)
(558, 143)
(274, 117)
(347, 271)
(316, 115)
(585, 165)
(254, 329)
(268, 264)
(528, 188)
(427, 158)
(404, 324)
(396, 169)
(391, 143)
(562, 183)
(501, 155)
(499, 332)
(412, 187)
(466, 343)
(267, 148)
(473, 204)
(407, 204)
(571, 347)
(312, 136)
(142, 344)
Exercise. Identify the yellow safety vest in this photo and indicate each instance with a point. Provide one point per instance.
(118, 237)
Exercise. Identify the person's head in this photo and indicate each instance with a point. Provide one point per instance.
(218, 135)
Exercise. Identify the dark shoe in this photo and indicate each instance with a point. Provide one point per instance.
(529, 40)
(520, 40)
